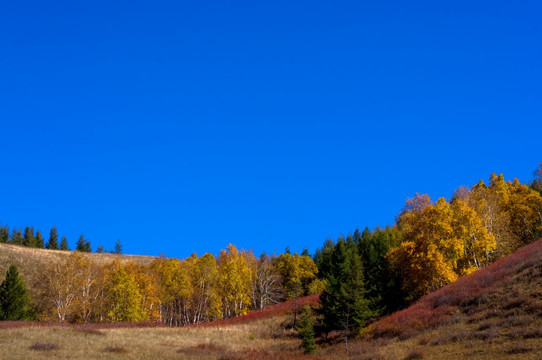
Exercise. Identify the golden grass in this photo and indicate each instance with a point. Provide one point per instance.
(269, 339)
(29, 260)
(149, 343)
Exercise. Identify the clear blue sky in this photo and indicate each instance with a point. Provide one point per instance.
(182, 126)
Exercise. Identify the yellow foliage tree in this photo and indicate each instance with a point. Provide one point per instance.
(430, 250)
(123, 296)
(69, 289)
(149, 288)
(478, 243)
(235, 278)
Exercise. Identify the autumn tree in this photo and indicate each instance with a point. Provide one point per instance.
(175, 291)
(430, 250)
(298, 273)
(234, 274)
(510, 211)
(66, 289)
(123, 296)
(15, 303)
(266, 288)
(147, 283)
(478, 243)
(205, 301)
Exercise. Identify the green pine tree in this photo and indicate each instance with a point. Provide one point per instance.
(83, 245)
(4, 234)
(100, 249)
(14, 299)
(52, 244)
(306, 330)
(118, 247)
(343, 304)
(29, 238)
(17, 237)
(64, 244)
(40, 243)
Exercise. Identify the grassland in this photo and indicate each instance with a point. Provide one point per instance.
(29, 261)
(495, 313)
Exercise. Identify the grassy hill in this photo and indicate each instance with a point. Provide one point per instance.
(494, 313)
(29, 261)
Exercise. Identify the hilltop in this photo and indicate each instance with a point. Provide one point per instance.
(29, 260)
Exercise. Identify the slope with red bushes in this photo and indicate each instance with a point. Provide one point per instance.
(512, 283)
(270, 311)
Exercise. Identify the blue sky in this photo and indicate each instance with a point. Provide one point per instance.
(180, 126)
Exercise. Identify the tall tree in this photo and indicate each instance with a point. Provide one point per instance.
(52, 244)
(118, 247)
(39, 240)
(15, 302)
(430, 250)
(4, 234)
(298, 272)
(64, 244)
(266, 288)
(306, 330)
(29, 238)
(17, 237)
(123, 296)
(234, 283)
(343, 303)
(83, 245)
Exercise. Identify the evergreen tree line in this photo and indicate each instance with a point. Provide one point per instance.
(372, 273)
(35, 239)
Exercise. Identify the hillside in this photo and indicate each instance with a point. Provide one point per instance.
(29, 260)
(494, 313)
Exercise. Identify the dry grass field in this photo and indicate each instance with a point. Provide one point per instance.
(29, 260)
(265, 339)
(493, 314)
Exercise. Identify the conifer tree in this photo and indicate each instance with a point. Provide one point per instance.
(83, 245)
(343, 303)
(29, 238)
(40, 243)
(100, 249)
(118, 247)
(14, 300)
(52, 244)
(306, 330)
(17, 237)
(4, 234)
(64, 244)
